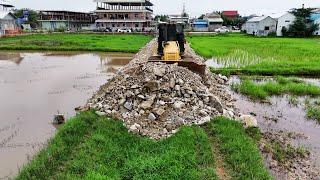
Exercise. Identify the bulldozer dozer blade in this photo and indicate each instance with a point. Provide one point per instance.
(189, 64)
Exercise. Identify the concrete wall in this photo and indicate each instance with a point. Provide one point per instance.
(285, 21)
(200, 29)
(213, 26)
(267, 22)
(251, 27)
(54, 25)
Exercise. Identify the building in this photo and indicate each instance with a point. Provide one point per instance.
(260, 26)
(8, 24)
(200, 25)
(66, 20)
(130, 14)
(179, 19)
(6, 7)
(214, 21)
(232, 15)
(284, 21)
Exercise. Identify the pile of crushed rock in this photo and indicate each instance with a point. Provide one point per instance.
(156, 99)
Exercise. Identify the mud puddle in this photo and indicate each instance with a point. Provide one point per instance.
(34, 87)
(280, 115)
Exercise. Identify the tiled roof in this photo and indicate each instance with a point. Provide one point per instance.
(230, 13)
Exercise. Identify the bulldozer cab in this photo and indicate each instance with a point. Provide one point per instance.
(171, 48)
(171, 32)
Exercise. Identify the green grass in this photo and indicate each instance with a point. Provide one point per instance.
(283, 154)
(279, 86)
(240, 152)
(314, 113)
(76, 42)
(242, 54)
(93, 147)
(313, 109)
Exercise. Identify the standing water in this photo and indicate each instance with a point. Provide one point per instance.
(36, 86)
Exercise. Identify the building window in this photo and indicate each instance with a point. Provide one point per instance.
(137, 25)
(287, 21)
(126, 16)
(136, 15)
(113, 25)
(267, 28)
(105, 15)
(124, 25)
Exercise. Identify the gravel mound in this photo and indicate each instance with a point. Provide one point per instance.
(156, 99)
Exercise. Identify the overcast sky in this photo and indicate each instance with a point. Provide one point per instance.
(193, 7)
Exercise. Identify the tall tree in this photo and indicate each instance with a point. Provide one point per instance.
(303, 26)
(32, 17)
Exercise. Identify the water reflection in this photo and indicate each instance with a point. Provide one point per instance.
(35, 86)
(11, 56)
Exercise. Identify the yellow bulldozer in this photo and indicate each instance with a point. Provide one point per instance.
(171, 48)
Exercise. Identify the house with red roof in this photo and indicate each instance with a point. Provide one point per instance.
(230, 14)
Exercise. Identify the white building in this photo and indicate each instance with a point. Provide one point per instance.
(7, 19)
(129, 14)
(214, 21)
(285, 21)
(260, 26)
(179, 19)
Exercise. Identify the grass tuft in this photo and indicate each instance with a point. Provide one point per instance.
(280, 86)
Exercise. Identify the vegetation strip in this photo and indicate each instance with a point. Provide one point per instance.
(240, 151)
(111, 152)
(76, 42)
(279, 86)
(243, 54)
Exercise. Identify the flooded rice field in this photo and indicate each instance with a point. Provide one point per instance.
(278, 114)
(236, 59)
(36, 86)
